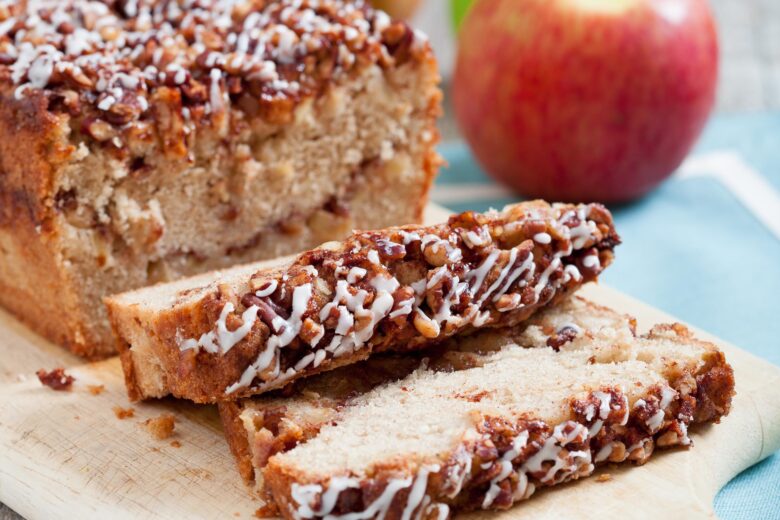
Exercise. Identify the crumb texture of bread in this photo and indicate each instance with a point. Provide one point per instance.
(161, 427)
(147, 143)
(123, 413)
(493, 432)
(397, 289)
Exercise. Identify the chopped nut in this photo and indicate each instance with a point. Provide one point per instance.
(507, 302)
(436, 254)
(362, 320)
(311, 330)
(604, 477)
(669, 438)
(426, 326)
(618, 452)
(56, 379)
(100, 130)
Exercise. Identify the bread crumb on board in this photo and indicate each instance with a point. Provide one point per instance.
(96, 389)
(175, 444)
(161, 427)
(604, 477)
(123, 413)
(56, 379)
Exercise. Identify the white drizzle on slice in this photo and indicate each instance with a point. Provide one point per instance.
(222, 340)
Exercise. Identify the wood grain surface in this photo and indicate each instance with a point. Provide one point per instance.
(67, 455)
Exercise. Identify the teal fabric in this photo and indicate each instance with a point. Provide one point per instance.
(692, 249)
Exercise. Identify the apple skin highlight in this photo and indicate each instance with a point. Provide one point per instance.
(585, 99)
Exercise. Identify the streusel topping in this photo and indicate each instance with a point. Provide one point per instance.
(114, 55)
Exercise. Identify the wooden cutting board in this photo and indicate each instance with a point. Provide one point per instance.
(66, 454)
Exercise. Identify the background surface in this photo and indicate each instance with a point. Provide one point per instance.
(749, 82)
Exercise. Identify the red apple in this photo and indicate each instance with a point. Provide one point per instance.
(584, 99)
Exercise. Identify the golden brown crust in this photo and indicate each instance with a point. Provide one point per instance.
(498, 250)
(33, 282)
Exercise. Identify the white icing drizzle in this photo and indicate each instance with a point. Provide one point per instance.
(605, 400)
(685, 440)
(479, 238)
(461, 471)
(418, 491)
(591, 262)
(442, 510)
(570, 272)
(222, 340)
(453, 254)
(528, 266)
(110, 39)
(545, 276)
(355, 274)
(501, 276)
(409, 236)
(518, 443)
(542, 238)
(580, 233)
(268, 291)
(304, 362)
(319, 357)
(285, 334)
(479, 274)
(305, 495)
(641, 443)
(551, 449)
(656, 421)
(404, 308)
(604, 453)
(667, 395)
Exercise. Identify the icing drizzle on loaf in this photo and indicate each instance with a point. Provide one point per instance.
(468, 274)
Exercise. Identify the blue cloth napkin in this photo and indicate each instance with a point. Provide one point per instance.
(704, 247)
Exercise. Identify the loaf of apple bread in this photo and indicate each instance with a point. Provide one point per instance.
(141, 141)
(482, 422)
(251, 329)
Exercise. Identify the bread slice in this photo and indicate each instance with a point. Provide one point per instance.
(258, 428)
(250, 330)
(487, 433)
(147, 141)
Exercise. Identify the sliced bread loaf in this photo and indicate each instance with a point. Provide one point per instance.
(258, 428)
(492, 432)
(249, 330)
(144, 141)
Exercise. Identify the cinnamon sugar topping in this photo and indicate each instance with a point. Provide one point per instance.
(122, 57)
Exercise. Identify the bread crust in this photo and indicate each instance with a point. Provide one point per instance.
(506, 461)
(501, 249)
